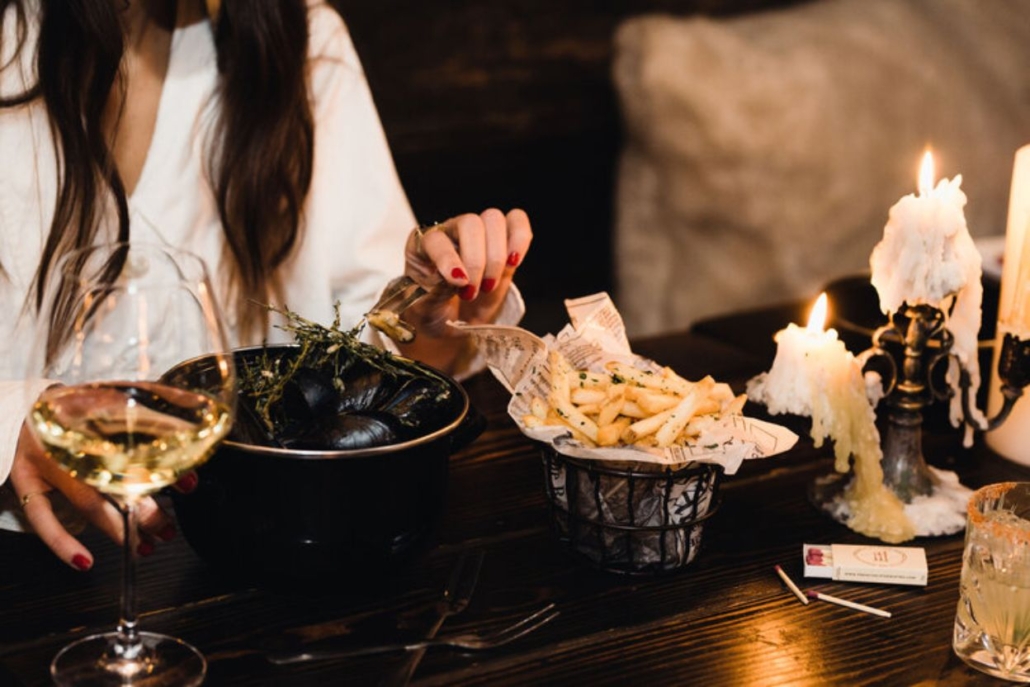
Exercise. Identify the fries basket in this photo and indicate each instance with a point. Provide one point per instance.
(630, 518)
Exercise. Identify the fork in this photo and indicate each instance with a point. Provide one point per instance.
(399, 295)
(456, 597)
(468, 641)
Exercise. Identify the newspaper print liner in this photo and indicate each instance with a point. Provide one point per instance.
(595, 336)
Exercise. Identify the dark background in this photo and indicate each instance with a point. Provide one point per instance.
(510, 104)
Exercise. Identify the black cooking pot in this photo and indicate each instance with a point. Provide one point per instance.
(300, 514)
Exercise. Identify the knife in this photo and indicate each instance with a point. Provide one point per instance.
(455, 598)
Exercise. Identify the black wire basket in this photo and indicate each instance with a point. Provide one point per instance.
(630, 518)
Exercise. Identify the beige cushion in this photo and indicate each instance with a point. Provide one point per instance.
(763, 152)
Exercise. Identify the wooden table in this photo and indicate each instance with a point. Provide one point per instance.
(726, 619)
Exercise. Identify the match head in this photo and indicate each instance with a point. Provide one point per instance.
(812, 595)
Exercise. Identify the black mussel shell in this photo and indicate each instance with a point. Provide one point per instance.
(309, 392)
(364, 388)
(348, 404)
(420, 402)
(347, 431)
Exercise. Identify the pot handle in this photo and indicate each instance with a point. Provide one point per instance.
(469, 429)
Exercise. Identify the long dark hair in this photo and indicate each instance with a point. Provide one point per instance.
(259, 155)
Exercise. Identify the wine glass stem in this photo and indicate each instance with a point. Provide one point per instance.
(128, 643)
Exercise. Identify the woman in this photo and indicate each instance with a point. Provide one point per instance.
(242, 131)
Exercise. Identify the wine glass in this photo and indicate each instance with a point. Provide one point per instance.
(116, 318)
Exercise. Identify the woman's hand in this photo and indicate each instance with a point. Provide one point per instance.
(34, 476)
(467, 263)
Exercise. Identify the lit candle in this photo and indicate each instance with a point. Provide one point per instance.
(926, 244)
(814, 374)
(802, 354)
(925, 257)
(810, 375)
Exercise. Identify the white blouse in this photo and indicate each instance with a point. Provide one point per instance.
(356, 218)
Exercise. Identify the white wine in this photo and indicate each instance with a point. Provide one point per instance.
(128, 439)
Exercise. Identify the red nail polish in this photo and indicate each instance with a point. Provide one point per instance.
(82, 563)
(167, 534)
(513, 259)
(459, 273)
(489, 285)
(467, 293)
(145, 548)
(187, 482)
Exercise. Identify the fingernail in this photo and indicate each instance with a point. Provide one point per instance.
(467, 293)
(489, 285)
(187, 482)
(80, 562)
(167, 534)
(513, 259)
(145, 548)
(459, 273)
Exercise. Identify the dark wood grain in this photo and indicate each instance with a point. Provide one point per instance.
(726, 619)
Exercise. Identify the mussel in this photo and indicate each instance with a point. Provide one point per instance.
(346, 402)
(347, 431)
(308, 392)
(419, 401)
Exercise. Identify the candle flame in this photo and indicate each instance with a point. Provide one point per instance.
(926, 173)
(817, 318)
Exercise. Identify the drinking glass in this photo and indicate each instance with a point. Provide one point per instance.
(117, 317)
(992, 625)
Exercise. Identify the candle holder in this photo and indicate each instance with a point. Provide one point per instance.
(914, 351)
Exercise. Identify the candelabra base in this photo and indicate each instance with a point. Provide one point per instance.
(940, 513)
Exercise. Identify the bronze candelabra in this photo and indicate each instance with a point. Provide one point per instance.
(911, 353)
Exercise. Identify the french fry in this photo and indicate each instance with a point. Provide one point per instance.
(624, 406)
(653, 402)
(574, 417)
(531, 420)
(697, 425)
(708, 406)
(631, 409)
(608, 435)
(678, 417)
(588, 396)
(559, 379)
(736, 406)
(674, 379)
(584, 379)
(651, 380)
(722, 392)
(612, 406)
(642, 428)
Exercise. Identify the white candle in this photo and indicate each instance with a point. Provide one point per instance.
(925, 257)
(926, 245)
(814, 374)
(1012, 438)
(800, 358)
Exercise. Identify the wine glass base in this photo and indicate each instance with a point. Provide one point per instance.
(162, 660)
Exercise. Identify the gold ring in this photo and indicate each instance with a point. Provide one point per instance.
(422, 231)
(28, 497)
